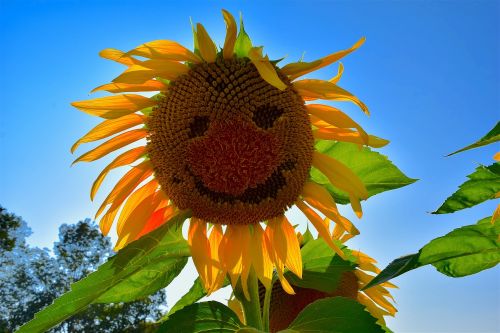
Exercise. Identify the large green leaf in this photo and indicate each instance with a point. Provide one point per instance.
(322, 268)
(464, 251)
(491, 137)
(202, 317)
(334, 315)
(139, 269)
(374, 169)
(482, 185)
(195, 293)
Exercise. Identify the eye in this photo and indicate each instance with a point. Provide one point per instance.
(198, 126)
(265, 116)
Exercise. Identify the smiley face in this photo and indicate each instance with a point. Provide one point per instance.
(228, 145)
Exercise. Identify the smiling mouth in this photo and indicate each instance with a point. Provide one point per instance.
(252, 195)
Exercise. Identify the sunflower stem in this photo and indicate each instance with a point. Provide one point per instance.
(265, 308)
(251, 308)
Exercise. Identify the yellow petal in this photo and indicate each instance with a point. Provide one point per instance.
(347, 135)
(261, 260)
(337, 77)
(119, 56)
(151, 85)
(320, 225)
(126, 185)
(496, 214)
(265, 68)
(296, 69)
(230, 253)
(215, 270)
(340, 175)
(496, 157)
(208, 50)
(109, 127)
(126, 158)
(200, 248)
(114, 106)
(381, 301)
(113, 144)
(163, 214)
(356, 205)
(372, 308)
(150, 69)
(314, 89)
(317, 196)
(231, 28)
(165, 49)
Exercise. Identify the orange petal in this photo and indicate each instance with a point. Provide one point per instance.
(208, 50)
(216, 271)
(337, 77)
(160, 216)
(320, 225)
(126, 185)
(113, 144)
(165, 49)
(126, 158)
(200, 248)
(259, 251)
(347, 135)
(265, 68)
(297, 69)
(150, 69)
(114, 106)
(317, 196)
(314, 89)
(340, 175)
(110, 127)
(230, 40)
(119, 56)
(151, 85)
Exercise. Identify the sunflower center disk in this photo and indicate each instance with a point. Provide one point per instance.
(233, 156)
(228, 145)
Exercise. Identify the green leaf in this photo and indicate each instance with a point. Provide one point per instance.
(332, 315)
(139, 269)
(243, 43)
(322, 267)
(195, 293)
(374, 169)
(491, 137)
(202, 317)
(464, 251)
(482, 185)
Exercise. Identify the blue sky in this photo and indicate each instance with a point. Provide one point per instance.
(429, 72)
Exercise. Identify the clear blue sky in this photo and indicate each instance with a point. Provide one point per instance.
(429, 73)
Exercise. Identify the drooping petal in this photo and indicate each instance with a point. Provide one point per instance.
(164, 49)
(150, 69)
(113, 144)
(216, 272)
(265, 68)
(230, 40)
(109, 127)
(335, 117)
(119, 56)
(150, 85)
(126, 158)
(126, 185)
(297, 69)
(314, 89)
(230, 252)
(208, 50)
(278, 262)
(372, 308)
(320, 225)
(261, 261)
(317, 196)
(200, 248)
(339, 175)
(111, 107)
(285, 243)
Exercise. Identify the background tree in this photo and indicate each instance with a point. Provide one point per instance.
(30, 278)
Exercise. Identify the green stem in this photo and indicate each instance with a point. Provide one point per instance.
(265, 308)
(251, 307)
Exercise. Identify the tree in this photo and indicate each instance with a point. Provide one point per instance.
(30, 279)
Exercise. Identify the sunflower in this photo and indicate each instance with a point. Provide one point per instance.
(230, 138)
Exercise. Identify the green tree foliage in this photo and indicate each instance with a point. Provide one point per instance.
(31, 278)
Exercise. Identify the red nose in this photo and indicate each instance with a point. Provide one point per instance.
(233, 156)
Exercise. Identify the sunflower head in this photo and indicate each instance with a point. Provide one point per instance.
(229, 136)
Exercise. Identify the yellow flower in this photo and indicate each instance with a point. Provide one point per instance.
(230, 138)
